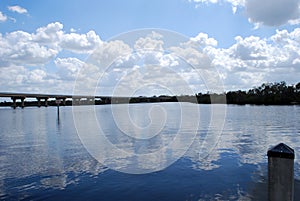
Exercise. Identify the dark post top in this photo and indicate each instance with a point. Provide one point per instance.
(281, 151)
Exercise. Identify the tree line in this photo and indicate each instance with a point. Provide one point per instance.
(277, 93)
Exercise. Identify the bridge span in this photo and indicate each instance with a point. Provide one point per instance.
(60, 98)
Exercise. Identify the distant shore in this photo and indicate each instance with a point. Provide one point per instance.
(277, 93)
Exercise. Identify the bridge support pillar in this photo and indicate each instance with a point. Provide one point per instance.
(107, 100)
(75, 101)
(14, 99)
(14, 105)
(91, 101)
(46, 102)
(61, 100)
(22, 102)
(39, 102)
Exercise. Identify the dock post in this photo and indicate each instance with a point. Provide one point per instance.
(58, 110)
(58, 101)
(281, 173)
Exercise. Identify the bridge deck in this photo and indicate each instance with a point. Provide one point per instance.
(31, 95)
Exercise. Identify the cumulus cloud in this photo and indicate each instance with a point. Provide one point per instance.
(54, 36)
(155, 62)
(36, 76)
(3, 17)
(267, 12)
(49, 35)
(273, 12)
(20, 78)
(25, 59)
(100, 64)
(109, 52)
(195, 51)
(151, 42)
(253, 60)
(250, 48)
(203, 40)
(80, 43)
(40, 80)
(23, 48)
(68, 68)
(18, 48)
(125, 69)
(17, 9)
(192, 56)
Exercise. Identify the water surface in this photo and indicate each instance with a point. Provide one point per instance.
(42, 157)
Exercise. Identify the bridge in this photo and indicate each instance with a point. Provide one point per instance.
(89, 99)
(60, 98)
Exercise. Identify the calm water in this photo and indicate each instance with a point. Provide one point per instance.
(43, 158)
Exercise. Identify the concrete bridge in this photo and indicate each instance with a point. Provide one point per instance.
(87, 99)
(60, 98)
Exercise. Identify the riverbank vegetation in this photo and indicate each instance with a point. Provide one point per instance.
(277, 93)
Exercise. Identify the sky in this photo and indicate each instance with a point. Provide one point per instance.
(139, 47)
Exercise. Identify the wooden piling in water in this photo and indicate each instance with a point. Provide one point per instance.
(281, 173)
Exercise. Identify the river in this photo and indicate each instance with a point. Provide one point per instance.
(49, 156)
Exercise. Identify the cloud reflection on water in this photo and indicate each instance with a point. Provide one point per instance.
(33, 147)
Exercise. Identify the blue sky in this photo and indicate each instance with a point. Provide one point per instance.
(114, 17)
(248, 42)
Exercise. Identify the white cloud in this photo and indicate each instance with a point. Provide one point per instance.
(203, 40)
(23, 48)
(267, 12)
(18, 48)
(195, 51)
(192, 56)
(273, 12)
(164, 66)
(109, 52)
(68, 68)
(247, 63)
(99, 63)
(50, 34)
(37, 76)
(20, 78)
(80, 43)
(3, 17)
(53, 35)
(72, 30)
(17, 9)
(152, 42)
(168, 60)
(142, 66)
(25, 58)
(150, 77)
(250, 48)
(252, 60)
